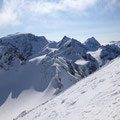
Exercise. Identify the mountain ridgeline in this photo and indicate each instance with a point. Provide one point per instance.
(28, 61)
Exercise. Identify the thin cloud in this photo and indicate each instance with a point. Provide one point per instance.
(9, 13)
(13, 10)
(42, 7)
(113, 4)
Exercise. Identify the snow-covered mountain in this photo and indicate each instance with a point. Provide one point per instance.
(34, 70)
(45, 75)
(92, 44)
(96, 97)
(19, 46)
(115, 43)
(105, 54)
(24, 44)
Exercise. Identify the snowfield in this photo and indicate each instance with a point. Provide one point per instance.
(97, 97)
(34, 71)
(39, 80)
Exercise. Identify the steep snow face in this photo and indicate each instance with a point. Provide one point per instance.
(43, 76)
(38, 73)
(31, 63)
(34, 69)
(70, 49)
(63, 41)
(109, 52)
(117, 43)
(94, 98)
(92, 44)
(50, 47)
(19, 47)
(9, 57)
(73, 50)
(105, 54)
(24, 44)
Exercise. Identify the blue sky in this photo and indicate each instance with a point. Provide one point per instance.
(78, 19)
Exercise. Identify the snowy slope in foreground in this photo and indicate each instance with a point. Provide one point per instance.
(96, 97)
(33, 83)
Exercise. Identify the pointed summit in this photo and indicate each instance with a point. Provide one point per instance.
(65, 38)
(63, 41)
(92, 44)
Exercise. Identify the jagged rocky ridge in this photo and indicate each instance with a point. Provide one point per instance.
(97, 97)
(42, 58)
(29, 61)
(19, 46)
(18, 49)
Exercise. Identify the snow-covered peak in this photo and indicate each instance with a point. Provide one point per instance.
(63, 41)
(105, 53)
(109, 52)
(68, 42)
(25, 44)
(92, 44)
(22, 37)
(65, 38)
(73, 43)
(20, 47)
(71, 50)
(92, 40)
(115, 43)
(47, 67)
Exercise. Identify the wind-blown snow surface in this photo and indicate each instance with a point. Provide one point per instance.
(96, 97)
(35, 82)
(33, 70)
